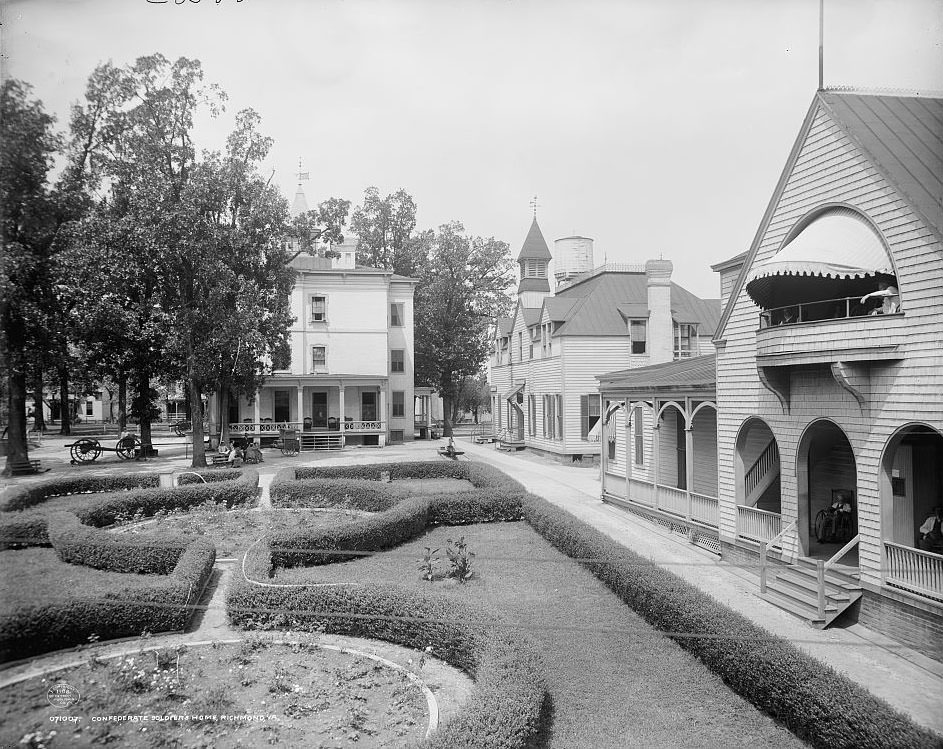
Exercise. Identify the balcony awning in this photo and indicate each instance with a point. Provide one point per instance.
(510, 394)
(837, 245)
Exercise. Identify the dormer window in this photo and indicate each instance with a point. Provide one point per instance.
(833, 265)
(638, 335)
(685, 335)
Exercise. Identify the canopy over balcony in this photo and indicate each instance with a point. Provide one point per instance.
(838, 254)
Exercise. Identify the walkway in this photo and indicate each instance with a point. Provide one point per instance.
(903, 677)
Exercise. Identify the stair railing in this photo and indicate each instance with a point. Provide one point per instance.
(764, 551)
(761, 466)
(822, 566)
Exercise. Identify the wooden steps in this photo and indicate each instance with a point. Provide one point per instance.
(795, 589)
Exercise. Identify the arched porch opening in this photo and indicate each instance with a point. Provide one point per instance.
(757, 482)
(826, 476)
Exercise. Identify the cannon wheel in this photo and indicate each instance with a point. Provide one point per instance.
(85, 450)
(181, 428)
(127, 447)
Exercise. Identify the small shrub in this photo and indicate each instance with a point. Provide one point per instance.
(459, 559)
(428, 563)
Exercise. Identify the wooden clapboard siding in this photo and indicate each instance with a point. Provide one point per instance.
(831, 168)
(705, 452)
(584, 358)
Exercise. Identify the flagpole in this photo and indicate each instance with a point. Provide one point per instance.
(821, 44)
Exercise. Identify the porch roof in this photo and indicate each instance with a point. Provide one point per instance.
(696, 373)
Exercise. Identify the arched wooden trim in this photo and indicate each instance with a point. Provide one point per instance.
(821, 420)
(703, 404)
(669, 404)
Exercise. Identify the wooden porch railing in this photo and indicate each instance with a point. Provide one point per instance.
(674, 501)
(368, 426)
(917, 571)
(761, 466)
(758, 525)
(767, 547)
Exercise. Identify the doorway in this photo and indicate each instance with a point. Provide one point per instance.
(282, 405)
(368, 405)
(319, 410)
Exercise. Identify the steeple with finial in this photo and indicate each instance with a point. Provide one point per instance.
(534, 260)
(300, 203)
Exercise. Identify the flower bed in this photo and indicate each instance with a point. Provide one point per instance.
(124, 499)
(505, 709)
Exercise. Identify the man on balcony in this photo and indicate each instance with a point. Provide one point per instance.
(890, 296)
(931, 537)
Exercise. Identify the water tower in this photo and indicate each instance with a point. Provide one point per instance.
(571, 256)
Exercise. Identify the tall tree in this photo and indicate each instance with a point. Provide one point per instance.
(384, 227)
(27, 146)
(462, 287)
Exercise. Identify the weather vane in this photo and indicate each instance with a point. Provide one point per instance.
(534, 204)
(302, 176)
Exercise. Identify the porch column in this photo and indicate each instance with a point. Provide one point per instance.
(427, 399)
(603, 451)
(384, 420)
(629, 452)
(656, 448)
(301, 403)
(340, 422)
(257, 413)
(688, 451)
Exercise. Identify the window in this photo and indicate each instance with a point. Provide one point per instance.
(558, 426)
(530, 351)
(319, 358)
(532, 415)
(397, 360)
(589, 414)
(612, 447)
(520, 346)
(685, 340)
(638, 333)
(319, 309)
(282, 405)
(399, 403)
(89, 408)
(548, 416)
(396, 315)
(637, 426)
(547, 334)
(535, 269)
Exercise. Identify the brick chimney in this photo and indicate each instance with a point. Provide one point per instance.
(660, 326)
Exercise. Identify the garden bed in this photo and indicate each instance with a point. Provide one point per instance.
(255, 693)
(233, 531)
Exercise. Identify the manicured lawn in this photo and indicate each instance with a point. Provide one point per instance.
(233, 531)
(434, 486)
(35, 576)
(299, 696)
(613, 681)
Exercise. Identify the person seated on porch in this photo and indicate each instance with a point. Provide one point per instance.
(931, 537)
(889, 295)
(223, 448)
(253, 454)
(307, 424)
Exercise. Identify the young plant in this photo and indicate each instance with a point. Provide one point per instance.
(428, 562)
(459, 559)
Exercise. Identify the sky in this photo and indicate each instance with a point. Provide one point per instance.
(657, 127)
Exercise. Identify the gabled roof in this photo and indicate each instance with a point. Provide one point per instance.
(534, 284)
(699, 372)
(633, 311)
(535, 247)
(595, 305)
(903, 138)
(504, 324)
(531, 315)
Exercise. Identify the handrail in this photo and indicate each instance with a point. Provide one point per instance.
(751, 480)
(842, 551)
(765, 550)
(792, 314)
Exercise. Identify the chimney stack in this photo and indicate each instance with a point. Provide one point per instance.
(660, 325)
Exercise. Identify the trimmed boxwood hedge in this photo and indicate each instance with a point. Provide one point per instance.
(812, 700)
(140, 553)
(505, 710)
(122, 612)
(400, 516)
(30, 495)
(28, 527)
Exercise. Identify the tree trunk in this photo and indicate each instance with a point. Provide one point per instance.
(475, 415)
(143, 387)
(40, 422)
(196, 414)
(122, 401)
(17, 447)
(223, 401)
(65, 416)
(448, 398)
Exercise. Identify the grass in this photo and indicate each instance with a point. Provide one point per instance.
(613, 680)
(307, 695)
(35, 576)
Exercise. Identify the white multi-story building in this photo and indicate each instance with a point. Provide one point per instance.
(548, 354)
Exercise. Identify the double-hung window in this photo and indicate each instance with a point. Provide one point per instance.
(396, 315)
(398, 403)
(318, 308)
(397, 360)
(638, 334)
(638, 426)
(319, 358)
(589, 414)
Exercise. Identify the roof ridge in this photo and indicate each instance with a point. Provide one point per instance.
(884, 91)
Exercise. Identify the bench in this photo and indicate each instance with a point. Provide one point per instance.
(26, 467)
(219, 459)
(453, 454)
